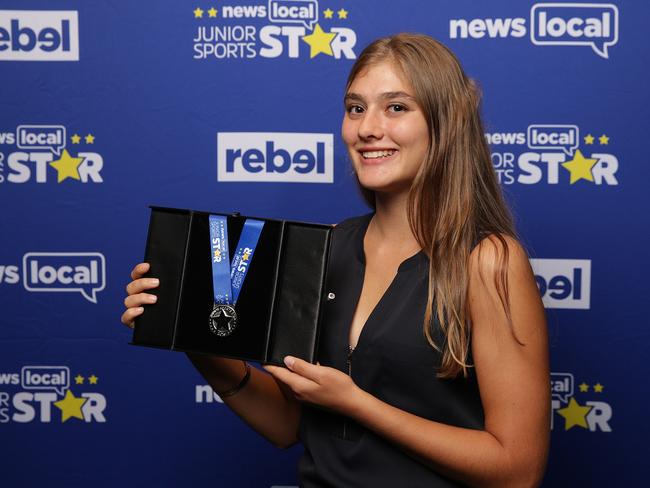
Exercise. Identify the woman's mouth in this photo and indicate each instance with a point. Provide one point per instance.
(378, 155)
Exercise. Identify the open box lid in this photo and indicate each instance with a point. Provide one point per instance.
(281, 302)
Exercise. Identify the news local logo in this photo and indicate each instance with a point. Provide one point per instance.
(71, 272)
(83, 273)
(563, 283)
(275, 157)
(593, 25)
(41, 389)
(561, 137)
(301, 12)
(553, 154)
(593, 415)
(55, 378)
(41, 155)
(39, 35)
(273, 29)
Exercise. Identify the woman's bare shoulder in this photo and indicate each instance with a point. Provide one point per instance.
(495, 250)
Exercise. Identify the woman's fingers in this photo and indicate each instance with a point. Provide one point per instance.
(139, 270)
(130, 314)
(299, 385)
(136, 298)
(139, 299)
(142, 284)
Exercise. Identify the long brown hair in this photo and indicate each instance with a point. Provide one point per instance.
(455, 199)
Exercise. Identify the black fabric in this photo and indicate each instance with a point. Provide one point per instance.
(392, 361)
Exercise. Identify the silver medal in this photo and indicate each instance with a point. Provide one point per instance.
(223, 320)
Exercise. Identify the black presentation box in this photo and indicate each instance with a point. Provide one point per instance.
(280, 303)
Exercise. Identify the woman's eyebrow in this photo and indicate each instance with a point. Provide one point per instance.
(395, 94)
(353, 97)
(384, 96)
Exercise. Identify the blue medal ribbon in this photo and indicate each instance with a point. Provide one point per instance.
(228, 277)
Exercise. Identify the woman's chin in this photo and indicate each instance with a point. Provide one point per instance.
(384, 186)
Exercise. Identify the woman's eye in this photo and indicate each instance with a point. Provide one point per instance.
(396, 107)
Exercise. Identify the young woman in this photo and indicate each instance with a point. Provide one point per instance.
(433, 357)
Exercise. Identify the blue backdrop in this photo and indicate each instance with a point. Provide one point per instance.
(109, 106)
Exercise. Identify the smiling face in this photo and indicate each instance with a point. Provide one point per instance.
(384, 129)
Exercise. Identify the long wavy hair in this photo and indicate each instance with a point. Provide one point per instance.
(455, 199)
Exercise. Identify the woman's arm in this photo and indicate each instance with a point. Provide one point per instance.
(261, 403)
(512, 370)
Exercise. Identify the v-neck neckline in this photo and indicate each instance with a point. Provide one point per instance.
(407, 264)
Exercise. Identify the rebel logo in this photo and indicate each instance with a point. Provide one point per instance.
(563, 283)
(39, 35)
(275, 157)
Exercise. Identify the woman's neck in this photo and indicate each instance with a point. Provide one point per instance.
(390, 223)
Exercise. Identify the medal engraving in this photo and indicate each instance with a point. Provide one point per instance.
(223, 320)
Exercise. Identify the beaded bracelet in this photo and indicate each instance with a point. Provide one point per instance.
(242, 383)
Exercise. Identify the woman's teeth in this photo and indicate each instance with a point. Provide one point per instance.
(377, 154)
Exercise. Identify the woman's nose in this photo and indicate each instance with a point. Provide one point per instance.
(370, 126)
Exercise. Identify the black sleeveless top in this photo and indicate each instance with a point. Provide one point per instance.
(392, 361)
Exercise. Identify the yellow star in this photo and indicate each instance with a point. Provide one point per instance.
(574, 414)
(580, 167)
(75, 139)
(90, 139)
(198, 13)
(217, 253)
(67, 166)
(598, 388)
(604, 140)
(245, 256)
(343, 14)
(79, 379)
(212, 12)
(319, 42)
(584, 387)
(328, 13)
(589, 139)
(70, 406)
(93, 379)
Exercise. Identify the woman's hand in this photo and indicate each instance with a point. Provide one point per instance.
(260, 403)
(136, 297)
(320, 385)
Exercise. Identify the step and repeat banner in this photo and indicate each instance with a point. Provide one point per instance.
(107, 107)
